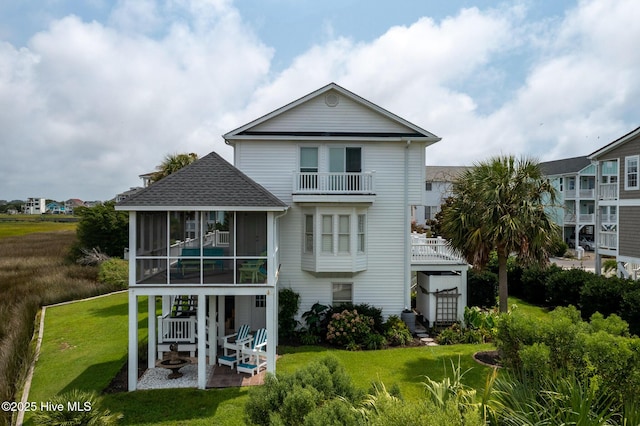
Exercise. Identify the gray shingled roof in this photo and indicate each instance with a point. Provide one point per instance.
(566, 165)
(207, 183)
(444, 173)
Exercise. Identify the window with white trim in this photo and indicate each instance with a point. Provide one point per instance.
(308, 233)
(631, 172)
(428, 186)
(261, 301)
(344, 234)
(342, 293)
(362, 222)
(327, 233)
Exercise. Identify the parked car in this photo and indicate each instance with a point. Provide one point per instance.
(587, 243)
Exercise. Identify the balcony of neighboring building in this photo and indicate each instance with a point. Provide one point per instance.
(608, 191)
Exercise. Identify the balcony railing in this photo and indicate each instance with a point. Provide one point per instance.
(587, 193)
(608, 240)
(608, 191)
(570, 218)
(333, 183)
(587, 218)
(609, 218)
(433, 251)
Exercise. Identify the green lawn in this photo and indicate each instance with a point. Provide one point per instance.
(85, 344)
(536, 313)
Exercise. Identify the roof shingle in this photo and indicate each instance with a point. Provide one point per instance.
(206, 183)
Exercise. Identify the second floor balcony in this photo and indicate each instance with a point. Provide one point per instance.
(608, 191)
(329, 184)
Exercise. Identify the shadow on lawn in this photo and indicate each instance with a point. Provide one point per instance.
(176, 405)
(442, 366)
(96, 377)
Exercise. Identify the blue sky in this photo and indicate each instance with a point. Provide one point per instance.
(94, 93)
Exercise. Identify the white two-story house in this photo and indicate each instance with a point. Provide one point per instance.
(318, 200)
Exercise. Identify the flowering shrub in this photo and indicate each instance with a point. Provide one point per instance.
(347, 328)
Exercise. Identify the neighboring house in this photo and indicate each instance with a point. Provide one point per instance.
(71, 204)
(34, 206)
(437, 188)
(575, 181)
(318, 200)
(55, 208)
(618, 202)
(124, 195)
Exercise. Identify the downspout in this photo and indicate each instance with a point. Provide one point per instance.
(407, 230)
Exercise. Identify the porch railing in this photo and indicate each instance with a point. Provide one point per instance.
(176, 330)
(333, 183)
(608, 191)
(609, 218)
(587, 218)
(433, 250)
(608, 240)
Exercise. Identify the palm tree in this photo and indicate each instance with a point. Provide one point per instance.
(172, 163)
(500, 205)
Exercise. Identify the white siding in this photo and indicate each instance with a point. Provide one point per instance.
(316, 115)
(382, 284)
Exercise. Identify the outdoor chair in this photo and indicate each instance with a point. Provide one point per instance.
(253, 356)
(236, 341)
(253, 270)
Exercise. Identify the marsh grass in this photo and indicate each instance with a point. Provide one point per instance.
(33, 273)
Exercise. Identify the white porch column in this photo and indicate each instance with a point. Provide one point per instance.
(202, 341)
(133, 340)
(272, 330)
(213, 328)
(152, 351)
(221, 317)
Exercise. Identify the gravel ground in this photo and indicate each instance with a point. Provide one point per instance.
(156, 378)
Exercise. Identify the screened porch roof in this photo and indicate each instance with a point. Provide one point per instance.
(210, 183)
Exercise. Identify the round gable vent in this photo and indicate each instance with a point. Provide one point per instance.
(331, 99)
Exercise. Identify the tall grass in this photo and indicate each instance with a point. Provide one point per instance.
(34, 272)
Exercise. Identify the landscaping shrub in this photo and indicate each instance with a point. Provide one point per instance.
(287, 398)
(114, 272)
(455, 334)
(563, 288)
(349, 329)
(598, 352)
(533, 287)
(482, 288)
(601, 294)
(363, 309)
(315, 320)
(288, 304)
(396, 331)
(630, 307)
(482, 321)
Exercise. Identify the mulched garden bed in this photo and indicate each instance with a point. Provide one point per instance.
(488, 358)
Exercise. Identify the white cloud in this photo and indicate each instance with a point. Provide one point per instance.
(88, 106)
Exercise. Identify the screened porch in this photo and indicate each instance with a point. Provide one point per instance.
(201, 247)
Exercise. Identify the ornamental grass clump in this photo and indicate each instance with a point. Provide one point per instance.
(349, 329)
